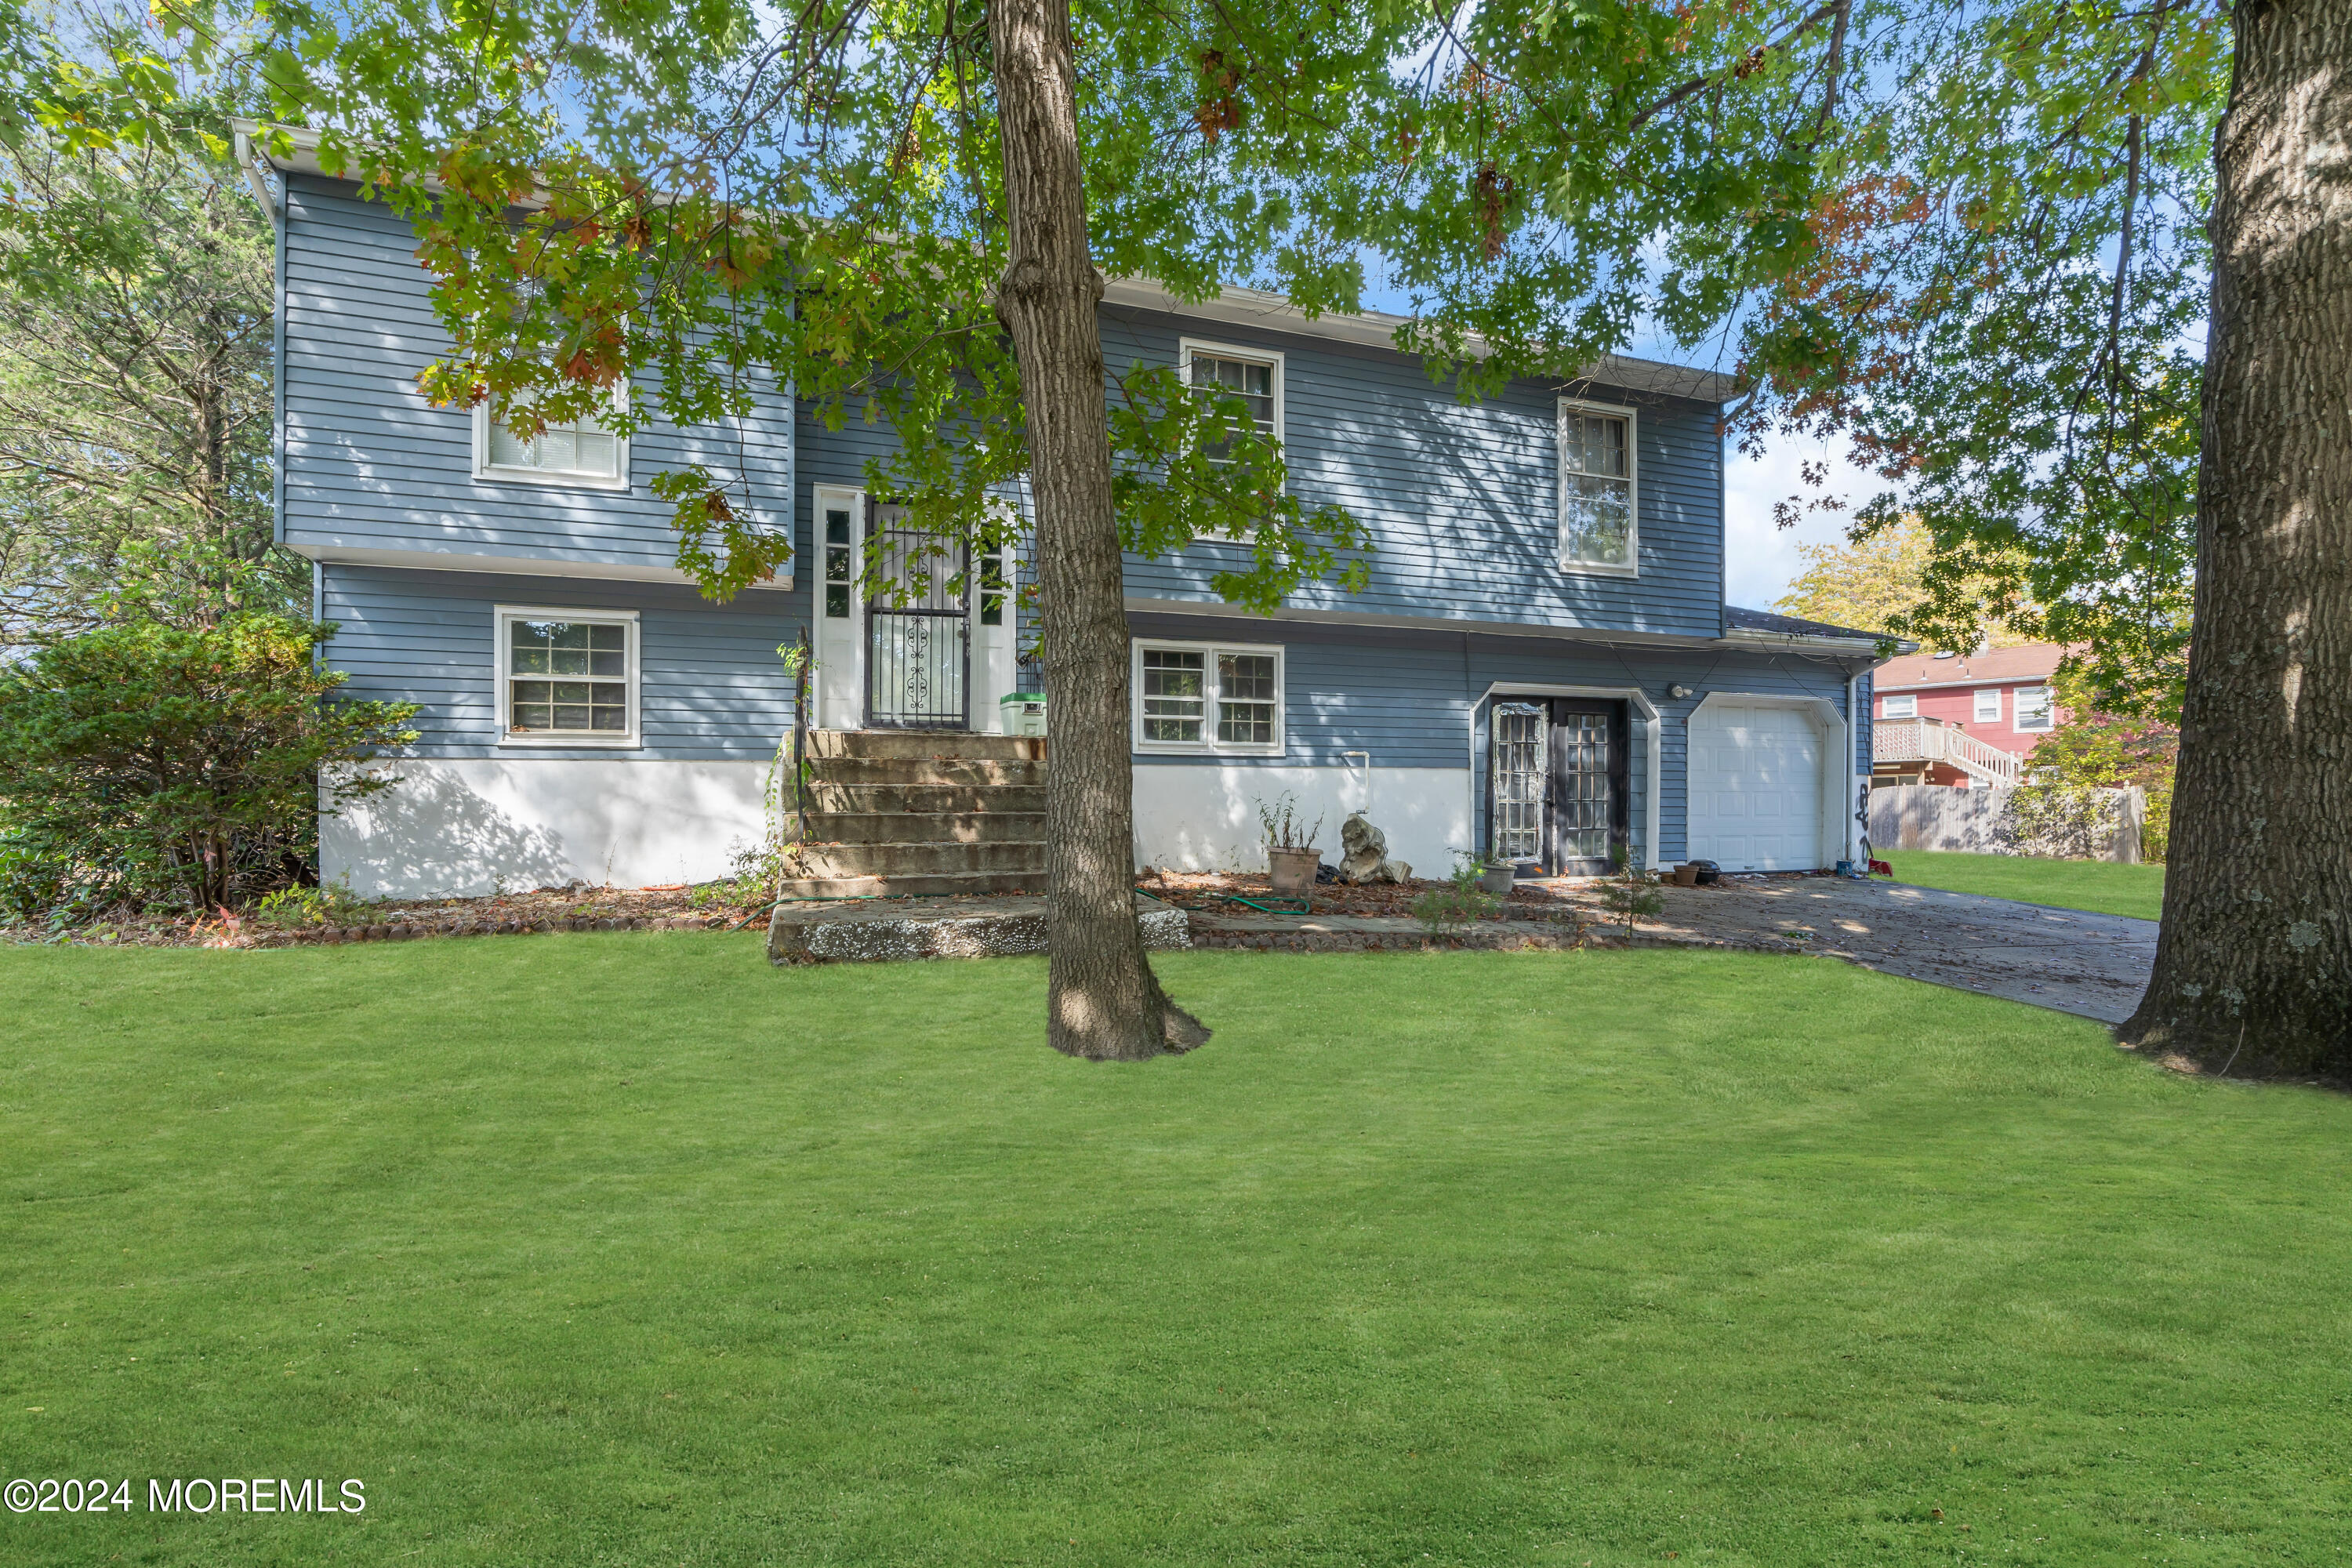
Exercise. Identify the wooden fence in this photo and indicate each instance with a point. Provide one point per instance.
(1979, 822)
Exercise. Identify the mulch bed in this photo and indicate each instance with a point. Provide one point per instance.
(1206, 893)
(1213, 893)
(543, 910)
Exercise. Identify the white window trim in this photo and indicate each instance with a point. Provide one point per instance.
(490, 473)
(1976, 705)
(1632, 568)
(1888, 702)
(502, 650)
(2049, 712)
(1208, 744)
(1187, 347)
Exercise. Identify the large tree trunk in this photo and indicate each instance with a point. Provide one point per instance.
(2254, 962)
(1103, 1000)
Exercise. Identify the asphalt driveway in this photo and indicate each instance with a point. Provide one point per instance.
(2070, 960)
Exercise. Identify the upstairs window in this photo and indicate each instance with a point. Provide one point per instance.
(570, 452)
(2034, 711)
(1598, 530)
(567, 678)
(1900, 706)
(1254, 378)
(1197, 697)
(1987, 708)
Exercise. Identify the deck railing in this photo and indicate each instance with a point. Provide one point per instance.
(1927, 741)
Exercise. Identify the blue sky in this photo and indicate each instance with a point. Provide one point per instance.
(1760, 558)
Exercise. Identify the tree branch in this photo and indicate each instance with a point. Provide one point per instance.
(1699, 84)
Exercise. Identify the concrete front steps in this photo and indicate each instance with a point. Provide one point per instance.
(908, 811)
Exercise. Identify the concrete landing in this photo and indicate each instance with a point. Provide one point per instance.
(879, 931)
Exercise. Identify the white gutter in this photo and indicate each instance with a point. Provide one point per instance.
(253, 175)
(302, 156)
(1964, 685)
(1376, 328)
(1749, 637)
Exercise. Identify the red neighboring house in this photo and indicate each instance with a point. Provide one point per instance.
(1962, 720)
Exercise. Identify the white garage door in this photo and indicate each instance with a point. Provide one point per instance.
(1755, 787)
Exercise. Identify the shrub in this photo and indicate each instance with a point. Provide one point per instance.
(2061, 810)
(296, 907)
(1632, 895)
(144, 764)
(1457, 903)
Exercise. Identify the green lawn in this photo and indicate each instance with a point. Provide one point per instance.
(2100, 886)
(626, 1248)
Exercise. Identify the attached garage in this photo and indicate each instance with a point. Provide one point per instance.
(1758, 781)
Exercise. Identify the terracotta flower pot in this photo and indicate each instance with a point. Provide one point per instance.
(1293, 870)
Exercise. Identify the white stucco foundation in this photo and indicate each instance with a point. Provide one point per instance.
(1204, 817)
(462, 828)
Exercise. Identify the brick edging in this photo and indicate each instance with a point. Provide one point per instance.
(1407, 941)
(411, 931)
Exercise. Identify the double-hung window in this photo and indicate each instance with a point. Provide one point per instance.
(1209, 698)
(564, 452)
(1252, 377)
(567, 678)
(1900, 705)
(2033, 708)
(1598, 528)
(1987, 708)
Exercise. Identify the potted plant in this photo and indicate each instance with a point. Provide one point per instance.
(1494, 876)
(1291, 858)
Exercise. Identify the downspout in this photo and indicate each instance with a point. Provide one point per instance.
(1852, 808)
(1656, 726)
(253, 175)
(793, 480)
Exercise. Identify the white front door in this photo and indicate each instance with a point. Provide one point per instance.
(840, 639)
(1755, 787)
(840, 592)
(997, 615)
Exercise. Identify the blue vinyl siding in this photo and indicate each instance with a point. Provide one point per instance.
(1401, 696)
(1654, 670)
(1462, 498)
(1414, 699)
(370, 464)
(712, 687)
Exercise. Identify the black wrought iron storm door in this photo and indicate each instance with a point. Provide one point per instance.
(917, 626)
(1556, 784)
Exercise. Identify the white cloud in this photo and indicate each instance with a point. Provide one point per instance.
(1760, 557)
